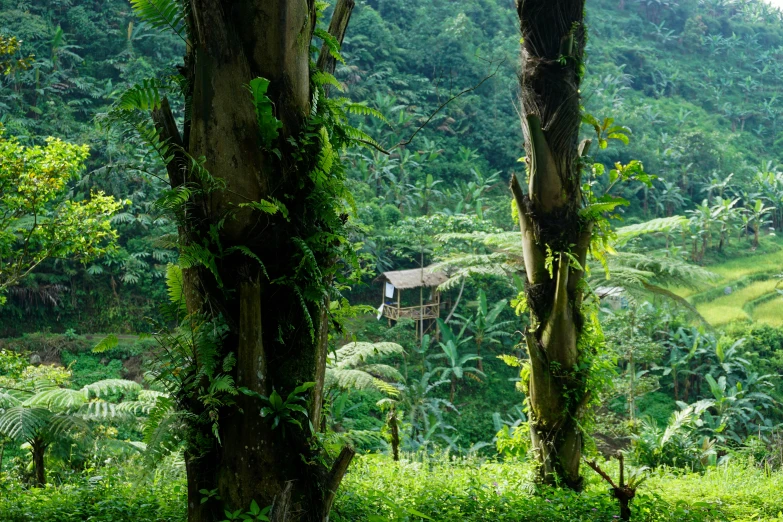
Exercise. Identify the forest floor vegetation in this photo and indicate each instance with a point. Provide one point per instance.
(423, 487)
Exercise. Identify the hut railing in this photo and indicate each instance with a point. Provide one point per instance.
(428, 311)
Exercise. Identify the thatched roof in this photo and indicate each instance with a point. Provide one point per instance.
(414, 278)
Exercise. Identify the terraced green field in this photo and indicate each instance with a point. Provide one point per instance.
(754, 281)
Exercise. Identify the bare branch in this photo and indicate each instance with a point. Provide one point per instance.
(446, 103)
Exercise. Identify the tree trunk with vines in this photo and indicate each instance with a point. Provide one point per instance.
(277, 334)
(553, 232)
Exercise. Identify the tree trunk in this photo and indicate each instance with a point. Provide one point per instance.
(276, 317)
(38, 450)
(394, 432)
(552, 51)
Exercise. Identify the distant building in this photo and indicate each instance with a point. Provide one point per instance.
(612, 296)
(423, 308)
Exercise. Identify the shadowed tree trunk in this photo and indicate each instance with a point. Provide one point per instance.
(552, 230)
(38, 450)
(277, 327)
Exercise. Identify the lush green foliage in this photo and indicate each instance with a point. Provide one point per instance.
(446, 488)
(692, 84)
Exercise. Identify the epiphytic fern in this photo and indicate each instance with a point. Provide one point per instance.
(162, 13)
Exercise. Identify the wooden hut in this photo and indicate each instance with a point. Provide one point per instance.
(425, 309)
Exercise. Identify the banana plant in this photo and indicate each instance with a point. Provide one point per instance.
(485, 326)
(759, 216)
(456, 366)
(737, 409)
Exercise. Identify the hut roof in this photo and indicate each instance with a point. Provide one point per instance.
(414, 278)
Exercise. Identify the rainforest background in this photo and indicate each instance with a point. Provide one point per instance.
(691, 349)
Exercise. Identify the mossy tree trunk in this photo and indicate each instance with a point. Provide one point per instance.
(553, 232)
(277, 335)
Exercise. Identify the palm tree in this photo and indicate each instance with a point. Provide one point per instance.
(425, 192)
(717, 185)
(471, 194)
(702, 219)
(421, 406)
(455, 368)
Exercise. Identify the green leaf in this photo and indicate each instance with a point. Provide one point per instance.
(619, 136)
(106, 344)
(303, 388)
(276, 400)
(268, 124)
(162, 13)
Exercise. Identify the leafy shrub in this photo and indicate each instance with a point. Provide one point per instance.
(445, 488)
(113, 496)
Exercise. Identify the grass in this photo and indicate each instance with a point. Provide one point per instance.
(440, 488)
(733, 269)
(743, 492)
(770, 312)
(753, 277)
(729, 308)
(469, 490)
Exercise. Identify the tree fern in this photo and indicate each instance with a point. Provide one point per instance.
(175, 285)
(641, 273)
(60, 423)
(58, 399)
(110, 387)
(7, 400)
(144, 96)
(354, 354)
(363, 110)
(106, 344)
(350, 368)
(654, 226)
(23, 424)
(102, 410)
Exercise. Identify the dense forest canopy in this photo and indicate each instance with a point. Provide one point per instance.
(195, 227)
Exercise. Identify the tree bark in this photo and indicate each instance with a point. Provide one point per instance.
(276, 335)
(38, 450)
(552, 51)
